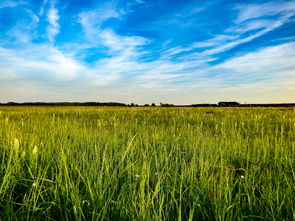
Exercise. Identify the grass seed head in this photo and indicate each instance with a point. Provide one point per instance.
(23, 154)
(35, 150)
(16, 145)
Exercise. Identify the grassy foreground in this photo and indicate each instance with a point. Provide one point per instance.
(111, 163)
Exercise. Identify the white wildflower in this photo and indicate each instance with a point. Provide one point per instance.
(33, 185)
(85, 202)
(242, 177)
(137, 176)
(198, 205)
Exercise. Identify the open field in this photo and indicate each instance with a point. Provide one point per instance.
(111, 163)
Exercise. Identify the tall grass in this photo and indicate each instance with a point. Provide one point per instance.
(110, 163)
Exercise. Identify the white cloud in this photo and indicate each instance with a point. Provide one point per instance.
(210, 43)
(43, 7)
(118, 43)
(91, 21)
(52, 18)
(23, 32)
(267, 9)
(251, 25)
(237, 34)
(234, 43)
(271, 66)
(268, 72)
(11, 4)
(39, 63)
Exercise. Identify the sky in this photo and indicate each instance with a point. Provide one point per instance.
(144, 51)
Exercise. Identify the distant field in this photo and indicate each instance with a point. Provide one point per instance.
(147, 163)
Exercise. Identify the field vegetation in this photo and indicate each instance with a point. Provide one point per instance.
(147, 163)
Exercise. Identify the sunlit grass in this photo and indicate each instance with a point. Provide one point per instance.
(110, 163)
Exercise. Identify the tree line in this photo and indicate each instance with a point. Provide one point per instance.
(219, 104)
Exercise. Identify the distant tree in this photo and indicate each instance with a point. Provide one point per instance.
(166, 105)
(203, 105)
(153, 104)
(146, 105)
(228, 104)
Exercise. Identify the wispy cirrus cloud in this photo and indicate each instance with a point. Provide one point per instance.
(270, 73)
(120, 48)
(92, 20)
(41, 11)
(235, 35)
(271, 65)
(23, 31)
(44, 61)
(242, 40)
(11, 4)
(254, 11)
(52, 18)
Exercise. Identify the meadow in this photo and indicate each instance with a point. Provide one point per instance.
(147, 163)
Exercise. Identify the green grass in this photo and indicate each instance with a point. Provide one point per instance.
(110, 163)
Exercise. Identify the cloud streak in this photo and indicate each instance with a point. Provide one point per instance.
(254, 11)
(52, 18)
(11, 4)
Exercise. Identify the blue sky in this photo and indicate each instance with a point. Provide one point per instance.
(144, 51)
